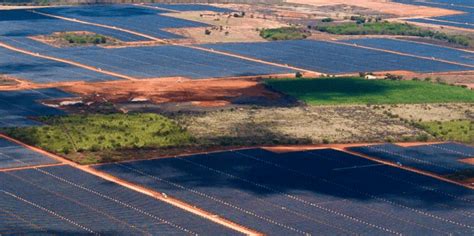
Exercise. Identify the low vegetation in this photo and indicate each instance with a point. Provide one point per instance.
(284, 33)
(391, 28)
(79, 38)
(94, 133)
(458, 130)
(355, 90)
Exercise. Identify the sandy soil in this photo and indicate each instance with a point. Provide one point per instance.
(400, 10)
(241, 29)
(208, 93)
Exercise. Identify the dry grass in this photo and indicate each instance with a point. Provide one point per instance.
(310, 124)
(431, 112)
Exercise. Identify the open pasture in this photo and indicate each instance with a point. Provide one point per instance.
(23, 23)
(442, 159)
(328, 57)
(139, 19)
(311, 192)
(17, 106)
(417, 49)
(63, 200)
(13, 155)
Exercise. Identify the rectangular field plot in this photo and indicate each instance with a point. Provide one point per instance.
(17, 106)
(139, 19)
(13, 155)
(163, 61)
(320, 192)
(27, 67)
(192, 7)
(418, 49)
(23, 23)
(328, 57)
(65, 201)
(442, 159)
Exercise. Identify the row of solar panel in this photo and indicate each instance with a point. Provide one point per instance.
(443, 159)
(63, 200)
(315, 192)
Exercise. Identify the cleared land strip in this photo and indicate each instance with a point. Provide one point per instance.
(251, 59)
(4, 45)
(405, 168)
(407, 20)
(403, 54)
(101, 25)
(156, 195)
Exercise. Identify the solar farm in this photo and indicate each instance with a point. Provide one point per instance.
(269, 117)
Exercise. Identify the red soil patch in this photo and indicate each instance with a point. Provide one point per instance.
(468, 161)
(206, 92)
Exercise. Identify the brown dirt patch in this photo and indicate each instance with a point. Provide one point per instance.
(468, 161)
(207, 93)
(401, 10)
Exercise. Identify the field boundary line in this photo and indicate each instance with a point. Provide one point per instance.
(91, 68)
(425, 173)
(138, 188)
(249, 58)
(401, 53)
(99, 25)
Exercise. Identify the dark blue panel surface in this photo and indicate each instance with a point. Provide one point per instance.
(418, 49)
(39, 70)
(65, 201)
(17, 106)
(441, 159)
(139, 19)
(13, 155)
(314, 192)
(331, 57)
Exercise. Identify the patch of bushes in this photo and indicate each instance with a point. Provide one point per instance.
(284, 33)
(390, 28)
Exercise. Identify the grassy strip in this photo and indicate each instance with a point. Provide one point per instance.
(284, 33)
(82, 38)
(80, 133)
(458, 130)
(354, 90)
(391, 28)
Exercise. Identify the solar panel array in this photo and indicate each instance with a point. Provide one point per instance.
(23, 23)
(315, 192)
(440, 159)
(457, 20)
(63, 200)
(139, 19)
(13, 155)
(329, 57)
(17, 106)
(156, 61)
(39, 70)
(418, 49)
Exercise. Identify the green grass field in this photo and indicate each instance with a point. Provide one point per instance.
(459, 130)
(338, 91)
(79, 133)
(284, 33)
